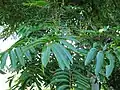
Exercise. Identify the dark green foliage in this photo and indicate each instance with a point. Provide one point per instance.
(70, 79)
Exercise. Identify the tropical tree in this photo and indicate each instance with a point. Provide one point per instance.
(63, 44)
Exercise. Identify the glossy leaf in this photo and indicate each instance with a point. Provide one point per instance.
(13, 59)
(20, 56)
(63, 55)
(3, 60)
(58, 56)
(45, 55)
(91, 55)
(109, 68)
(99, 62)
(66, 53)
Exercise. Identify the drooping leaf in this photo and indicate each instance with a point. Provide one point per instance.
(45, 55)
(39, 41)
(99, 62)
(13, 59)
(91, 55)
(20, 56)
(109, 68)
(27, 52)
(3, 60)
(117, 53)
(58, 56)
(66, 53)
(63, 55)
(28, 55)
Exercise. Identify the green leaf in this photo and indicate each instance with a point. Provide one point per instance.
(20, 56)
(32, 49)
(81, 83)
(95, 45)
(117, 53)
(59, 80)
(80, 76)
(63, 87)
(27, 54)
(105, 48)
(61, 73)
(36, 3)
(45, 55)
(63, 55)
(91, 55)
(66, 52)
(99, 61)
(58, 56)
(3, 60)
(60, 77)
(39, 41)
(13, 59)
(110, 67)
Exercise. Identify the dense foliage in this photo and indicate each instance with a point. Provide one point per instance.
(62, 44)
